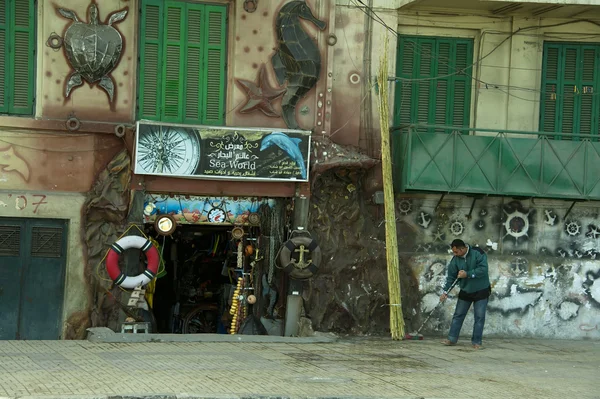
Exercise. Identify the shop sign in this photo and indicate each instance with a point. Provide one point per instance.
(209, 152)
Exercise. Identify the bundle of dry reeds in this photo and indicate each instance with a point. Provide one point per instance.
(391, 241)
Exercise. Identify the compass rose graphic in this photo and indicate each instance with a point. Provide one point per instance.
(168, 150)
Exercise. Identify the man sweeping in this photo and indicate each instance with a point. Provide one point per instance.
(469, 265)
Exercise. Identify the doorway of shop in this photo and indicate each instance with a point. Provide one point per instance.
(32, 260)
(201, 269)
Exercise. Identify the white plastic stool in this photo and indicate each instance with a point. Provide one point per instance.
(135, 328)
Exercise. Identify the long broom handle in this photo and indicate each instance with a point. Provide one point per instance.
(427, 319)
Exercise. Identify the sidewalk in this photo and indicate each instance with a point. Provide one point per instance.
(373, 368)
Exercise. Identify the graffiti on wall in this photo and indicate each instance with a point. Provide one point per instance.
(12, 162)
(543, 262)
(23, 202)
(93, 49)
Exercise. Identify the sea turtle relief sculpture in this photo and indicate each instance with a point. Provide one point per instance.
(93, 49)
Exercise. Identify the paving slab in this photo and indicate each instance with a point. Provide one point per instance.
(347, 368)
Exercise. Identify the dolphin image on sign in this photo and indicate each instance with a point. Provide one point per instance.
(289, 145)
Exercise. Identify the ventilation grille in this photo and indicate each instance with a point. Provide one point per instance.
(46, 242)
(10, 240)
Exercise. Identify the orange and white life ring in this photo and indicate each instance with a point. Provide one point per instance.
(112, 262)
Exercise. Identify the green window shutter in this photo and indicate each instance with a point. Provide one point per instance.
(460, 103)
(440, 93)
(405, 68)
(426, 63)
(151, 56)
(5, 58)
(174, 61)
(442, 85)
(193, 65)
(569, 85)
(215, 55)
(549, 114)
(17, 70)
(570, 82)
(588, 103)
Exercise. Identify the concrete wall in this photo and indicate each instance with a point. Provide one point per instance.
(544, 268)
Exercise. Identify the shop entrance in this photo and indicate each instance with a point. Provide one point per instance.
(202, 266)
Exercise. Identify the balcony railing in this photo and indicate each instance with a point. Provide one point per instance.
(496, 162)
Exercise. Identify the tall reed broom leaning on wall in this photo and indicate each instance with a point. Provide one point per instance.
(391, 240)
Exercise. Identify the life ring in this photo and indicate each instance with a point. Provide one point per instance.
(310, 266)
(112, 262)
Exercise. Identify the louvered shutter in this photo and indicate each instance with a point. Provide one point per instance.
(5, 58)
(174, 61)
(215, 53)
(151, 56)
(549, 114)
(23, 56)
(441, 85)
(404, 69)
(570, 103)
(588, 115)
(569, 86)
(194, 75)
(460, 102)
(426, 64)
(438, 91)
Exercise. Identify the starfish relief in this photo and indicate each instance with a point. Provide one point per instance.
(260, 94)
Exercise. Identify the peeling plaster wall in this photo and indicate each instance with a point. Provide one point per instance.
(544, 269)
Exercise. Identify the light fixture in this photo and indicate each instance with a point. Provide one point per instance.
(165, 225)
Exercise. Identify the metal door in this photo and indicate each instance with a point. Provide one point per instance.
(32, 274)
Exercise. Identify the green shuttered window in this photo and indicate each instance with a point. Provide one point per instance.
(17, 41)
(434, 85)
(182, 62)
(570, 89)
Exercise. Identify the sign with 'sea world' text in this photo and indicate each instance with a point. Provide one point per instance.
(211, 152)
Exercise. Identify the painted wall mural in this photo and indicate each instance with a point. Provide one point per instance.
(93, 49)
(543, 266)
(11, 161)
(221, 153)
(206, 210)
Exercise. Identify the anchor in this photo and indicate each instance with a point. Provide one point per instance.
(301, 264)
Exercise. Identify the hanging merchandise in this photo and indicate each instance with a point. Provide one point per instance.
(112, 262)
(236, 308)
(309, 256)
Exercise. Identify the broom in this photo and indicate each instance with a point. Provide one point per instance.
(416, 335)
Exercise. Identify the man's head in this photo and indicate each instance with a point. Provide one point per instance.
(459, 248)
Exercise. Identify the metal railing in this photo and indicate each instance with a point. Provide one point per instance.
(496, 162)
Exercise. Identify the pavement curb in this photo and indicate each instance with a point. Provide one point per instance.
(190, 396)
(106, 335)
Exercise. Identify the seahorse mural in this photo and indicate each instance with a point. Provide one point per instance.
(297, 59)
